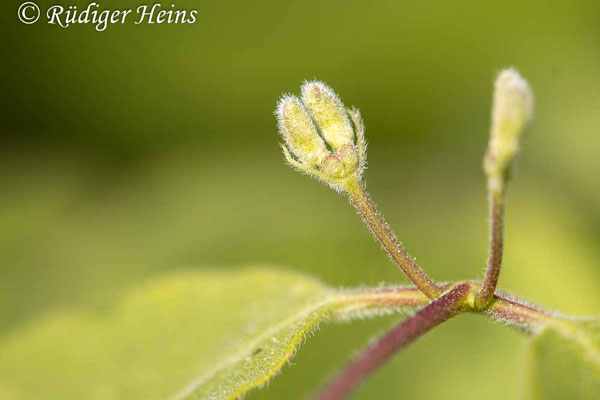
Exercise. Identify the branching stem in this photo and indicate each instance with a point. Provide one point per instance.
(430, 316)
(522, 316)
(506, 309)
(386, 237)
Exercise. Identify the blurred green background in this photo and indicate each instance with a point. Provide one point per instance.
(147, 148)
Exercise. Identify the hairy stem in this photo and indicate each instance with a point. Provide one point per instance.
(503, 308)
(430, 316)
(525, 317)
(492, 273)
(386, 237)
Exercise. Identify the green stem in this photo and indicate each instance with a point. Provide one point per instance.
(386, 237)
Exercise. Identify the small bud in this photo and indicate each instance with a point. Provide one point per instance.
(348, 156)
(319, 136)
(329, 114)
(299, 132)
(332, 167)
(512, 110)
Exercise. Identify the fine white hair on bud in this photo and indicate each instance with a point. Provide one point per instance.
(298, 131)
(512, 110)
(333, 167)
(319, 137)
(329, 114)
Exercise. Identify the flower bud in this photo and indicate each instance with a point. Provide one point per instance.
(328, 113)
(299, 132)
(332, 167)
(348, 157)
(319, 138)
(512, 110)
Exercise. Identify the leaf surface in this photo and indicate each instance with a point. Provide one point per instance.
(195, 335)
(564, 362)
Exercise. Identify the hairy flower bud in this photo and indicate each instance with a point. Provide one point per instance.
(512, 110)
(348, 157)
(333, 167)
(329, 114)
(319, 138)
(299, 132)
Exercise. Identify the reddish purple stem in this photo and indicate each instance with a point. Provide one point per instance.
(486, 293)
(378, 353)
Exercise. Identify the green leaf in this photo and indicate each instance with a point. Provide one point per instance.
(564, 362)
(195, 335)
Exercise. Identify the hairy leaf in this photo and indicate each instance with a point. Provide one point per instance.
(564, 362)
(195, 335)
